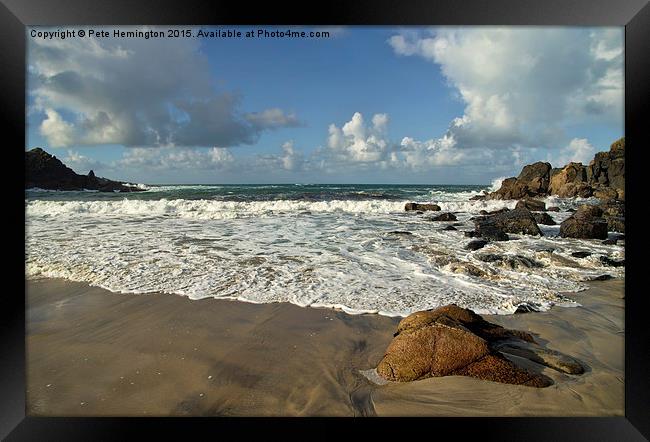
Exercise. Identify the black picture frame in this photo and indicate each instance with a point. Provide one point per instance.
(15, 15)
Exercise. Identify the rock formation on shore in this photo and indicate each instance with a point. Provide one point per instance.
(603, 178)
(46, 171)
(452, 341)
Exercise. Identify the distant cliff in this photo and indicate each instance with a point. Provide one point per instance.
(48, 172)
(603, 178)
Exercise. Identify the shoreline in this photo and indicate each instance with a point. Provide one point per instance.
(93, 352)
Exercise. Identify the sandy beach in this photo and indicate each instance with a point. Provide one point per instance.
(91, 352)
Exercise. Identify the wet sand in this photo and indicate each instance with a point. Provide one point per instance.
(91, 352)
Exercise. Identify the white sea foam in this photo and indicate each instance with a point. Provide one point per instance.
(338, 254)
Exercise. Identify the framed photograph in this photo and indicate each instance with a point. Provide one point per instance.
(359, 209)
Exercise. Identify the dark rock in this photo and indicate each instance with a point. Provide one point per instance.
(608, 169)
(581, 254)
(585, 223)
(471, 233)
(602, 278)
(606, 260)
(544, 218)
(445, 217)
(453, 341)
(609, 242)
(553, 209)
(422, 207)
(531, 204)
(48, 172)
(483, 212)
(490, 257)
(519, 220)
(399, 232)
(526, 308)
(450, 228)
(476, 244)
(489, 230)
(511, 261)
(477, 198)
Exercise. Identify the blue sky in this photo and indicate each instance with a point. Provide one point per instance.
(366, 105)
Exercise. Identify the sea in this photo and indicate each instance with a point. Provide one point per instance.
(346, 246)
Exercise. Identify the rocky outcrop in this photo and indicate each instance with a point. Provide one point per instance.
(46, 171)
(452, 341)
(586, 223)
(608, 169)
(604, 178)
(421, 207)
(532, 181)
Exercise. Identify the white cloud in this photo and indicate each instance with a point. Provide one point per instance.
(81, 163)
(174, 158)
(578, 150)
(138, 92)
(523, 86)
(58, 132)
(357, 142)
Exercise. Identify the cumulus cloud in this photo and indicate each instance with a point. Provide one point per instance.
(578, 150)
(58, 132)
(522, 86)
(358, 142)
(138, 92)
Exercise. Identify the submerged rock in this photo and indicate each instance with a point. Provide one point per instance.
(602, 278)
(476, 244)
(580, 254)
(450, 228)
(421, 207)
(511, 261)
(445, 217)
(453, 341)
(611, 262)
(399, 232)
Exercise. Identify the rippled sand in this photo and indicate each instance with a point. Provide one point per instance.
(93, 352)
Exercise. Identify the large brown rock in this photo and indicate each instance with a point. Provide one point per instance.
(532, 181)
(608, 168)
(536, 177)
(585, 223)
(453, 341)
(568, 178)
